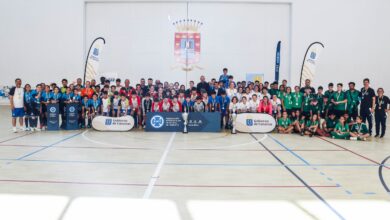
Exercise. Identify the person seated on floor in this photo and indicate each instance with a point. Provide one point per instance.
(300, 125)
(312, 126)
(284, 124)
(330, 123)
(341, 131)
(359, 130)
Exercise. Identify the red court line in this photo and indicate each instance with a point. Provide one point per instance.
(144, 148)
(357, 154)
(16, 137)
(162, 185)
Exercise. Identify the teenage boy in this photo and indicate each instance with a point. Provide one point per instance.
(339, 101)
(352, 100)
(367, 95)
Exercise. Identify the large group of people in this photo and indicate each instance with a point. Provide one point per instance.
(334, 112)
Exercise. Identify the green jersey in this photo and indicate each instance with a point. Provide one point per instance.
(338, 97)
(328, 94)
(359, 128)
(320, 98)
(273, 92)
(287, 101)
(284, 122)
(306, 102)
(311, 123)
(352, 100)
(297, 100)
(331, 123)
(342, 128)
(315, 109)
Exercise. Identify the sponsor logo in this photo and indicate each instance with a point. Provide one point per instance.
(72, 109)
(313, 55)
(52, 109)
(96, 51)
(157, 121)
(249, 122)
(108, 121)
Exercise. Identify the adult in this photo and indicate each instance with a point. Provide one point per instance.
(16, 97)
(381, 108)
(203, 86)
(367, 95)
(308, 86)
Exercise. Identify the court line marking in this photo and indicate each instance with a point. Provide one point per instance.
(301, 180)
(47, 146)
(155, 148)
(353, 152)
(161, 185)
(380, 172)
(307, 163)
(157, 171)
(17, 137)
(189, 164)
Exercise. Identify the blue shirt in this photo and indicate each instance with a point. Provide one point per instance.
(67, 97)
(35, 97)
(187, 105)
(224, 102)
(56, 97)
(225, 79)
(94, 104)
(46, 96)
(28, 97)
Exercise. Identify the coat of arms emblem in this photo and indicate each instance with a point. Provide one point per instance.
(187, 43)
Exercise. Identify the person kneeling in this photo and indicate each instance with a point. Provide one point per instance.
(284, 124)
(341, 131)
(359, 130)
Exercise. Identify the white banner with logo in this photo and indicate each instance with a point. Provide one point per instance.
(103, 123)
(310, 61)
(93, 59)
(255, 123)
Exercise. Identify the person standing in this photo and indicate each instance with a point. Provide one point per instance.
(367, 95)
(352, 101)
(203, 86)
(16, 98)
(339, 101)
(224, 77)
(381, 109)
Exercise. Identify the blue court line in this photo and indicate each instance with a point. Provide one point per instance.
(304, 161)
(48, 146)
(300, 179)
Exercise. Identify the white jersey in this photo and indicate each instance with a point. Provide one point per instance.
(233, 107)
(253, 105)
(244, 107)
(115, 103)
(18, 97)
(176, 107)
(231, 93)
(275, 104)
(105, 105)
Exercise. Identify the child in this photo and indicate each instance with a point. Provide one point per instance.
(85, 113)
(330, 123)
(359, 130)
(115, 104)
(106, 104)
(95, 106)
(123, 105)
(314, 108)
(306, 103)
(276, 105)
(46, 96)
(36, 108)
(213, 104)
(28, 106)
(135, 103)
(341, 131)
(146, 107)
(284, 124)
(312, 126)
(187, 104)
(300, 126)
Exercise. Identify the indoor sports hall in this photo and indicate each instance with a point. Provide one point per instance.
(194, 110)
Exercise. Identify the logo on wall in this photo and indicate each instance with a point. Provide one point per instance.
(187, 44)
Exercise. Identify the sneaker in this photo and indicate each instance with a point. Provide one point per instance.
(26, 129)
(377, 135)
(354, 138)
(37, 129)
(14, 130)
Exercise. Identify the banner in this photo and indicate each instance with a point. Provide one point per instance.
(255, 123)
(103, 123)
(173, 121)
(310, 62)
(253, 77)
(93, 58)
(72, 116)
(53, 119)
(277, 61)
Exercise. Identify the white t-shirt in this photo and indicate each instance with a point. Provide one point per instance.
(18, 96)
(233, 107)
(105, 103)
(244, 107)
(253, 105)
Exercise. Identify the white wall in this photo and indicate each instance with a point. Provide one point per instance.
(43, 40)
